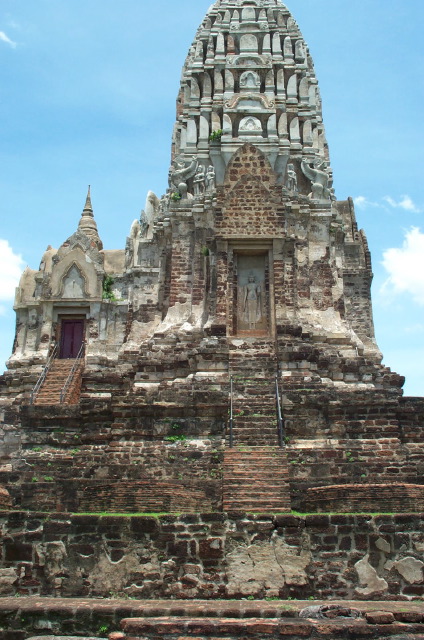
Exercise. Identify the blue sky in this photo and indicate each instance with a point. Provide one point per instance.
(87, 96)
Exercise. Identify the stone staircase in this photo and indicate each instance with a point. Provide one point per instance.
(49, 393)
(255, 469)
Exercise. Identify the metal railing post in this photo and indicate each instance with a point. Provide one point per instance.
(43, 375)
(280, 419)
(231, 413)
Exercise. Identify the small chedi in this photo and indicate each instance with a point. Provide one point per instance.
(224, 360)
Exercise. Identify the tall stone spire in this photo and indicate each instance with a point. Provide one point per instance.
(249, 78)
(87, 224)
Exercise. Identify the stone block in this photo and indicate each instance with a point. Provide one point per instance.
(379, 617)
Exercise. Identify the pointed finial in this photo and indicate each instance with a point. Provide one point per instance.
(88, 206)
(87, 224)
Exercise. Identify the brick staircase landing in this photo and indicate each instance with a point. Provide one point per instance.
(49, 394)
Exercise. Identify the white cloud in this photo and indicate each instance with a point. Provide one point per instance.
(406, 203)
(6, 39)
(362, 202)
(406, 267)
(11, 266)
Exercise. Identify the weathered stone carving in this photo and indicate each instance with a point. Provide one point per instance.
(199, 180)
(250, 80)
(210, 178)
(252, 302)
(250, 125)
(319, 177)
(181, 171)
(291, 181)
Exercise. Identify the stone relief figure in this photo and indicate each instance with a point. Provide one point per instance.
(199, 180)
(181, 171)
(252, 302)
(319, 177)
(210, 178)
(291, 182)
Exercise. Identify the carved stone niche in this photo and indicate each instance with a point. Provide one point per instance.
(250, 126)
(250, 81)
(251, 299)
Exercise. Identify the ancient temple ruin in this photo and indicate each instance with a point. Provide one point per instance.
(225, 358)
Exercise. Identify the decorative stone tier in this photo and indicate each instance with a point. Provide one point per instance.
(211, 556)
(363, 498)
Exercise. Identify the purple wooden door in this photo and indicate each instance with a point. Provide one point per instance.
(71, 338)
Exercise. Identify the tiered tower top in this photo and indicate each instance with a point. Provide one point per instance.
(249, 78)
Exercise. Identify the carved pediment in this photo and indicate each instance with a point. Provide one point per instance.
(73, 283)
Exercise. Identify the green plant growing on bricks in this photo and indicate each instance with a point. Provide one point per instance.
(107, 289)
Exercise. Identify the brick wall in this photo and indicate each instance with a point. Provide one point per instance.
(213, 556)
(371, 498)
(246, 206)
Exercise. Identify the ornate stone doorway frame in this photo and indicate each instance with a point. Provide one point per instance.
(251, 299)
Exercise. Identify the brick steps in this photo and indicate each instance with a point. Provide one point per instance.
(256, 479)
(205, 619)
(273, 628)
(56, 378)
(255, 471)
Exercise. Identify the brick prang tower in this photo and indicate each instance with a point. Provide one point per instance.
(247, 281)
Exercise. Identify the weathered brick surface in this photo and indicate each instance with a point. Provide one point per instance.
(213, 556)
(334, 436)
(250, 199)
(367, 497)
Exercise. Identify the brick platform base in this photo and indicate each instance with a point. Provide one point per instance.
(41, 618)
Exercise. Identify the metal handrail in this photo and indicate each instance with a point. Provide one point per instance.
(43, 375)
(231, 423)
(71, 375)
(280, 419)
